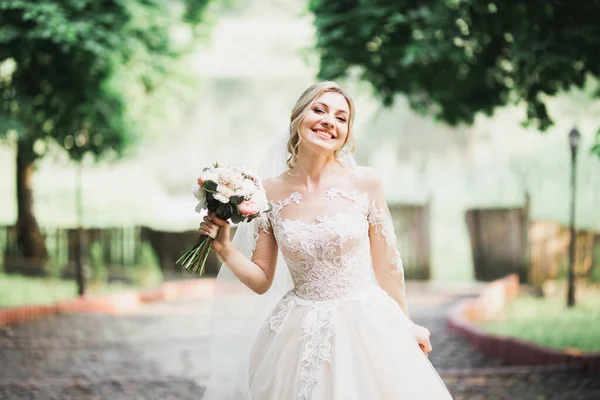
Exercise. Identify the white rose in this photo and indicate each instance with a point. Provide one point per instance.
(207, 176)
(201, 206)
(236, 182)
(261, 201)
(224, 191)
(229, 178)
(248, 188)
(221, 198)
(200, 195)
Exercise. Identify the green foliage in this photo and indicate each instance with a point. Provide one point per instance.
(237, 218)
(98, 271)
(16, 290)
(457, 58)
(595, 271)
(60, 60)
(546, 321)
(147, 272)
(210, 186)
(596, 147)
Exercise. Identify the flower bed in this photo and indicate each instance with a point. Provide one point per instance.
(466, 319)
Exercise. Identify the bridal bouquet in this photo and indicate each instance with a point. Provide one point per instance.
(231, 193)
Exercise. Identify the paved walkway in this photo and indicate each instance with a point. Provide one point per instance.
(160, 352)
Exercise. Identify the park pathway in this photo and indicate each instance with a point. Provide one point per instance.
(160, 350)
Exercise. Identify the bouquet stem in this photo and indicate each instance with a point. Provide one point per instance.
(194, 259)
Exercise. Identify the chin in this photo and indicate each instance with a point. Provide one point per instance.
(321, 148)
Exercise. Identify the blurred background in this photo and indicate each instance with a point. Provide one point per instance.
(226, 92)
(482, 117)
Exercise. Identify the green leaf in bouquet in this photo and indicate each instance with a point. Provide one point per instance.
(210, 186)
(236, 199)
(237, 218)
(224, 211)
(250, 218)
(211, 203)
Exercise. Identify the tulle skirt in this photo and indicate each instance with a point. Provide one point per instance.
(357, 347)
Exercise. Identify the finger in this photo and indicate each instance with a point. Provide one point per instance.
(205, 229)
(428, 347)
(218, 221)
(208, 222)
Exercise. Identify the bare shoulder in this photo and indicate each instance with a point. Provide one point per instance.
(269, 185)
(274, 187)
(367, 179)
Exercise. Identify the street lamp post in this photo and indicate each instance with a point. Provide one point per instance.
(79, 261)
(574, 137)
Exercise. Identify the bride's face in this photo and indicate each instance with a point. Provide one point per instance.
(325, 125)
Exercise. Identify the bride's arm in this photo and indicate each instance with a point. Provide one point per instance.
(385, 257)
(257, 272)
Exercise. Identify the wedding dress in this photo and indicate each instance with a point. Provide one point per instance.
(326, 329)
(337, 335)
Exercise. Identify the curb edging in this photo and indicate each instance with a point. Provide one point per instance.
(112, 303)
(511, 350)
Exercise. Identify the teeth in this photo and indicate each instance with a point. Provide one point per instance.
(324, 134)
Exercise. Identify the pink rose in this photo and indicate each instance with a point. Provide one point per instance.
(247, 208)
(200, 181)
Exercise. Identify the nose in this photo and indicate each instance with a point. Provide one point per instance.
(326, 122)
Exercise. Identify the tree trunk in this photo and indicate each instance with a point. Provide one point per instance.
(29, 237)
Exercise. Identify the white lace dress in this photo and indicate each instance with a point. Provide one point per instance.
(338, 335)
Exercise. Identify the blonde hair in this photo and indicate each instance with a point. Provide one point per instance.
(301, 108)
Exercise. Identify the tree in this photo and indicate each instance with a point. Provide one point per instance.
(457, 58)
(58, 62)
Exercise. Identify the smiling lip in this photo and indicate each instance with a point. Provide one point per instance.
(323, 134)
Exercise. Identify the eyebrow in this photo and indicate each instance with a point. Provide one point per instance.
(327, 107)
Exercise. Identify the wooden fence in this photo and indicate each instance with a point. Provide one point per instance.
(549, 252)
(504, 241)
(411, 223)
(121, 247)
(498, 242)
(168, 246)
(121, 251)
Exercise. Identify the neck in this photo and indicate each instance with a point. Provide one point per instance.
(312, 169)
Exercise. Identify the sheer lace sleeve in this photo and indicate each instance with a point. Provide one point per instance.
(386, 259)
(262, 225)
(264, 250)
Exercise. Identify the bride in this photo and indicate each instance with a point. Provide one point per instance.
(340, 330)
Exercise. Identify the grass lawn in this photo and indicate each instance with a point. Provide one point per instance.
(548, 322)
(18, 290)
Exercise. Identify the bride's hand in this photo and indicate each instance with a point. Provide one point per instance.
(223, 240)
(422, 335)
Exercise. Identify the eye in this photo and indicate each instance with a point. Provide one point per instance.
(318, 110)
(341, 119)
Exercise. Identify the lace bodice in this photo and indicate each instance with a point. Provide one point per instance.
(325, 240)
(336, 243)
